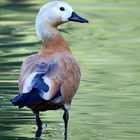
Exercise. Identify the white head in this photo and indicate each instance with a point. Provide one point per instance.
(53, 14)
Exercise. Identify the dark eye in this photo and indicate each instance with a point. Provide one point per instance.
(62, 8)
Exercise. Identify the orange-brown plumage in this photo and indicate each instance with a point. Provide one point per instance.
(67, 75)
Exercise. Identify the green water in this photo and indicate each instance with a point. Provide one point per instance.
(107, 104)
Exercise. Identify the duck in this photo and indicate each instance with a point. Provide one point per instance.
(50, 78)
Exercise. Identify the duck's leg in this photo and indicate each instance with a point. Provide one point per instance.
(66, 118)
(39, 126)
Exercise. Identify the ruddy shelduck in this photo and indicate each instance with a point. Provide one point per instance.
(50, 78)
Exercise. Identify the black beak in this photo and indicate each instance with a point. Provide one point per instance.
(76, 18)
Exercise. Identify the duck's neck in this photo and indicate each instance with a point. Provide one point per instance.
(52, 40)
(54, 43)
(45, 31)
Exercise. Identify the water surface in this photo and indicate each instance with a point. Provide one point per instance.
(107, 104)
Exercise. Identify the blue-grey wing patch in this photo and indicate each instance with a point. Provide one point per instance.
(43, 67)
(25, 99)
(38, 82)
(49, 68)
(41, 70)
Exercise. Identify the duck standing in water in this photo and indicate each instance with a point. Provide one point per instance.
(50, 78)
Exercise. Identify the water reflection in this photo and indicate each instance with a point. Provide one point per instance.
(38, 134)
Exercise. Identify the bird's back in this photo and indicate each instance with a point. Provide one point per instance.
(64, 77)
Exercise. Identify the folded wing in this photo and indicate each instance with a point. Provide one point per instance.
(49, 78)
(37, 81)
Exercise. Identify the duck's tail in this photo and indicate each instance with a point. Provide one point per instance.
(26, 99)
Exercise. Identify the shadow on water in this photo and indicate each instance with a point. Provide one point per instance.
(16, 138)
(20, 6)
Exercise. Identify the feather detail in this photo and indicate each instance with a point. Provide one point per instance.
(60, 72)
(26, 99)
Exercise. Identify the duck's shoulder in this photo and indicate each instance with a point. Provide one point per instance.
(31, 59)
